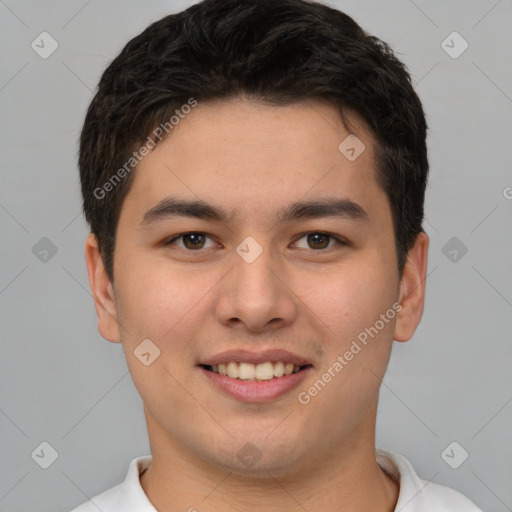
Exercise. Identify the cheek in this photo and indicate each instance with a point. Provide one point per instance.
(152, 298)
(167, 304)
(347, 298)
(159, 305)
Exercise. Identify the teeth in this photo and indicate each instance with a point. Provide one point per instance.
(251, 372)
(279, 369)
(232, 369)
(246, 371)
(265, 371)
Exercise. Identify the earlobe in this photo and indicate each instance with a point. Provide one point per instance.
(412, 289)
(102, 291)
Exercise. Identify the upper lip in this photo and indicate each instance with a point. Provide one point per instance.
(256, 357)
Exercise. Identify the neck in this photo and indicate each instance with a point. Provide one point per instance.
(347, 478)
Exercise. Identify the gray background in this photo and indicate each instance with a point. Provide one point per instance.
(61, 383)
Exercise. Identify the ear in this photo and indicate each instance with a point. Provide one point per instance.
(412, 289)
(102, 291)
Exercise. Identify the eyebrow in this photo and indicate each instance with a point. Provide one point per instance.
(171, 207)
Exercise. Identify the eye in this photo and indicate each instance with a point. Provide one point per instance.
(319, 240)
(192, 241)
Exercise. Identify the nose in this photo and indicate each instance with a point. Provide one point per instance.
(256, 295)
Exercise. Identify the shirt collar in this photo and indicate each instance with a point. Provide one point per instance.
(397, 467)
(130, 497)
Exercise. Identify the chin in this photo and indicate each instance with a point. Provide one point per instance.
(257, 459)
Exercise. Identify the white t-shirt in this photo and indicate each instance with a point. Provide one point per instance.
(415, 495)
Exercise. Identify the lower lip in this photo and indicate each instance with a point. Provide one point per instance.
(256, 391)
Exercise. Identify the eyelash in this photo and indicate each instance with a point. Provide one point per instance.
(339, 241)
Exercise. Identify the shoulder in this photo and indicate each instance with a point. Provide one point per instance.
(127, 496)
(418, 495)
(441, 498)
(106, 501)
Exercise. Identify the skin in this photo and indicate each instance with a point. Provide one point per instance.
(253, 160)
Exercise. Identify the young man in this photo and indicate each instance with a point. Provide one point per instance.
(253, 173)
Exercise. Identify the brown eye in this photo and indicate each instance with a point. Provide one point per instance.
(190, 241)
(318, 240)
(193, 241)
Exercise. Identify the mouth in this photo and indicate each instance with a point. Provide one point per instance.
(251, 372)
(255, 377)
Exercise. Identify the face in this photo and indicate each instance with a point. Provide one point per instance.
(252, 274)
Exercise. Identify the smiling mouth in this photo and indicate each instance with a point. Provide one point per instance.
(255, 372)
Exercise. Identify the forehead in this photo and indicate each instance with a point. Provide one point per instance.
(247, 156)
